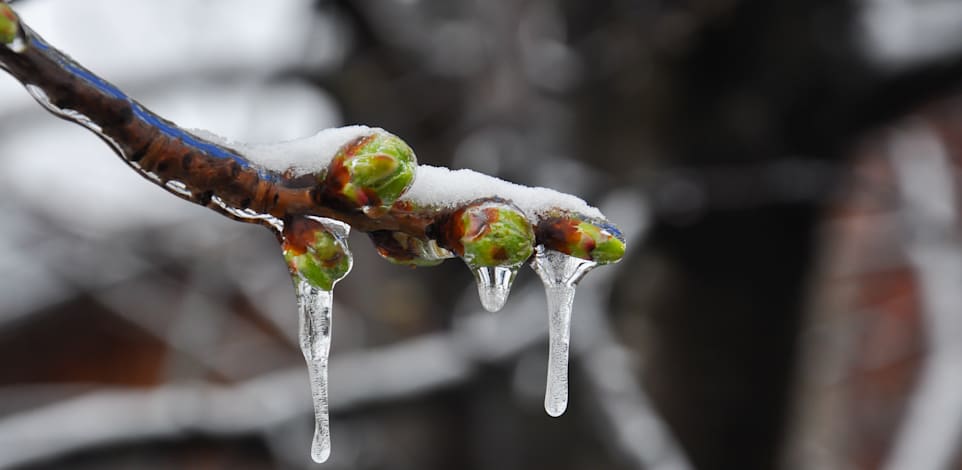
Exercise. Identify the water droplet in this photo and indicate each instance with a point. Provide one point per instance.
(18, 45)
(374, 212)
(494, 285)
(315, 306)
(560, 274)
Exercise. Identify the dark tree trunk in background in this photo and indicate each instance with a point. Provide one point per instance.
(751, 108)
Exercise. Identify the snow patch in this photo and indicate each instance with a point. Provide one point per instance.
(441, 187)
(307, 155)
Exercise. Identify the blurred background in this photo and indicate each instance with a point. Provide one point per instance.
(786, 173)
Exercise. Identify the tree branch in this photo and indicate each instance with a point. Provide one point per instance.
(363, 191)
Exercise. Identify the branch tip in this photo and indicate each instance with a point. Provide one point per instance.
(9, 25)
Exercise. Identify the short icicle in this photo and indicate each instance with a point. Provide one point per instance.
(560, 274)
(494, 285)
(493, 238)
(318, 256)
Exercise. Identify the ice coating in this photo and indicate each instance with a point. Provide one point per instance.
(314, 306)
(560, 274)
(307, 155)
(439, 186)
(494, 285)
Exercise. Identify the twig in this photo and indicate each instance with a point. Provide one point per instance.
(364, 194)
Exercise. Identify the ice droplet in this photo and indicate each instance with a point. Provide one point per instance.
(374, 212)
(340, 229)
(315, 307)
(494, 284)
(560, 274)
(18, 45)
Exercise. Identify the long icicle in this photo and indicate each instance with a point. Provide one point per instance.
(318, 256)
(315, 306)
(560, 274)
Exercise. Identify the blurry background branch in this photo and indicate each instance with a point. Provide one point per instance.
(930, 435)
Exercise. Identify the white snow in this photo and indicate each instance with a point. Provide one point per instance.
(307, 155)
(438, 186)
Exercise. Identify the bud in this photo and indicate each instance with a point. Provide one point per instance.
(9, 24)
(372, 172)
(401, 248)
(490, 234)
(600, 242)
(316, 252)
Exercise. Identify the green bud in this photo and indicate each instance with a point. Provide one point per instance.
(317, 255)
(608, 246)
(9, 24)
(492, 234)
(595, 241)
(374, 172)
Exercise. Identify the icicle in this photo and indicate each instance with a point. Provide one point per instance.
(318, 256)
(560, 274)
(494, 285)
(315, 307)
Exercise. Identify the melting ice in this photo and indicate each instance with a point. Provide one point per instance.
(560, 274)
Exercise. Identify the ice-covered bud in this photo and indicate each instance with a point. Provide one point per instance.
(492, 233)
(596, 241)
(401, 248)
(372, 172)
(316, 252)
(9, 24)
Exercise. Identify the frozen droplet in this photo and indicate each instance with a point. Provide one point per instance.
(494, 285)
(374, 212)
(18, 45)
(560, 274)
(338, 228)
(315, 307)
